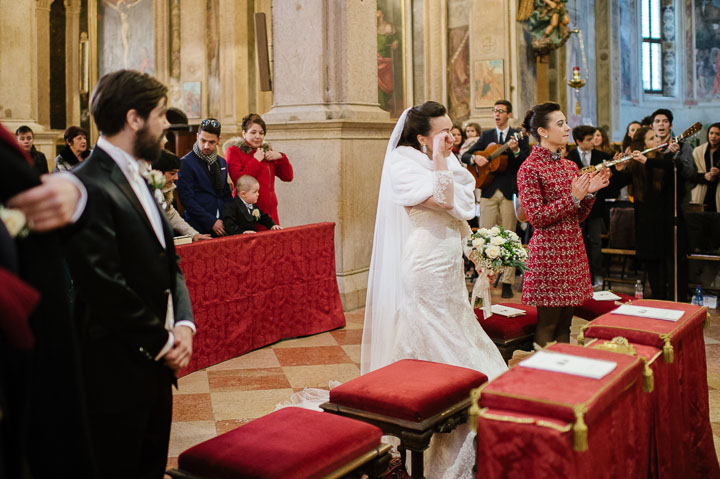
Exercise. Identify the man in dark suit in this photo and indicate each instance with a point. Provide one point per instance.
(496, 205)
(585, 155)
(202, 181)
(132, 304)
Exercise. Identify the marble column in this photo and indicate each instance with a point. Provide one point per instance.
(325, 117)
(42, 22)
(72, 62)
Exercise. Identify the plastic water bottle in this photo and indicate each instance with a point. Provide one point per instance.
(698, 298)
(638, 290)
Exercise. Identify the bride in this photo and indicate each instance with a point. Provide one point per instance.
(417, 303)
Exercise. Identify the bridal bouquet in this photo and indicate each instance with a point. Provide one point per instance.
(491, 250)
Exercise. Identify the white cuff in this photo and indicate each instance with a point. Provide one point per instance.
(168, 346)
(82, 202)
(187, 323)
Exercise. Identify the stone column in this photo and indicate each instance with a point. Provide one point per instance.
(72, 62)
(42, 18)
(326, 118)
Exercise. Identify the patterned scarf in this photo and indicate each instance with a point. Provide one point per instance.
(216, 175)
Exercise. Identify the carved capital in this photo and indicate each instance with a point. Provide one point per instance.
(72, 6)
(43, 4)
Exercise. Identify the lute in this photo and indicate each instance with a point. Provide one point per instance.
(690, 132)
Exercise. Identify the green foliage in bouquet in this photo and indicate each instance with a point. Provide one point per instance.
(495, 248)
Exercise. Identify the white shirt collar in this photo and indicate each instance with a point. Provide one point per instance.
(127, 163)
(504, 132)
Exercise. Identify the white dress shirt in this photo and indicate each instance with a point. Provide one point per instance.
(131, 170)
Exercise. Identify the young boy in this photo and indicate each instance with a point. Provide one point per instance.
(241, 214)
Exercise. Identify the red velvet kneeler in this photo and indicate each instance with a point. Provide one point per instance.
(681, 427)
(592, 308)
(543, 424)
(291, 443)
(510, 334)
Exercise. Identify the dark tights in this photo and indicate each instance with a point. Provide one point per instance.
(553, 324)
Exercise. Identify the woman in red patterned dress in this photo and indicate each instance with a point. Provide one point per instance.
(555, 200)
(255, 158)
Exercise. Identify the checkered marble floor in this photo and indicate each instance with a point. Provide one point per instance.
(222, 397)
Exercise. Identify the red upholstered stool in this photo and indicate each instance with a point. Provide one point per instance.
(591, 308)
(409, 399)
(289, 443)
(510, 334)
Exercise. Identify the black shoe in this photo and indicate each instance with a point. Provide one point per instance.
(507, 291)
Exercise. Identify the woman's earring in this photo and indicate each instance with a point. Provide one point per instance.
(424, 149)
(545, 136)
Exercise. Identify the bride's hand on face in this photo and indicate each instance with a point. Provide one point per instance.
(442, 143)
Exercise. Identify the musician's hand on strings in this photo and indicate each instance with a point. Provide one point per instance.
(638, 156)
(480, 160)
(599, 180)
(580, 185)
(513, 145)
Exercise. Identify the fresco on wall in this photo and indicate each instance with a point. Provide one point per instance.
(126, 36)
(489, 82)
(192, 98)
(391, 85)
(458, 60)
(707, 49)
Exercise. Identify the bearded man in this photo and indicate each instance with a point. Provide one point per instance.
(132, 305)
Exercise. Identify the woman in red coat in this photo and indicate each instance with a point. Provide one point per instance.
(555, 200)
(257, 159)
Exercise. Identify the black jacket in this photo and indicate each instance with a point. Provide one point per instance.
(599, 209)
(506, 182)
(238, 219)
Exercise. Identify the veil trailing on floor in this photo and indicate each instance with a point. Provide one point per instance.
(391, 231)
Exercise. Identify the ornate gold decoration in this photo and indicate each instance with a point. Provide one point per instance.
(668, 351)
(580, 429)
(648, 377)
(618, 344)
(474, 410)
(581, 336)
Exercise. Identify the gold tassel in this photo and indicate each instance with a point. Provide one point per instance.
(648, 377)
(577, 107)
(706, 323)
(580, 431)
(474, 411)
(581, 336)
(668, 351)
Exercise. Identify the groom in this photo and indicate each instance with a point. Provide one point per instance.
(132, 305)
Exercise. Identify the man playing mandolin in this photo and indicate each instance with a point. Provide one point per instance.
(498, 177)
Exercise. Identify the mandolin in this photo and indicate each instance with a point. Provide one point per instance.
(690, 132)
(497, 162)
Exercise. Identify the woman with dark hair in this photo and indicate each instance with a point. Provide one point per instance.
(629, 133)
(417, 303)
(652, 181)
(707, 161)
(256, 158)
(75, 149)
(458, 136)
(602, 142)
(555, 200)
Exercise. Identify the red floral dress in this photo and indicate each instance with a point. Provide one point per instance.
(241, 163)
(558, 273)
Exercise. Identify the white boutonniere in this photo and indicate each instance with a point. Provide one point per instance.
(156, 181)
(14, 221)
(256, 213)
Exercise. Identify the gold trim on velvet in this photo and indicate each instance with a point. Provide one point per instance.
(667, 338)
(581, 336)
(474, 410)
(524, 420)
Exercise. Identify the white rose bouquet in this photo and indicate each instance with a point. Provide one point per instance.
(491, 250)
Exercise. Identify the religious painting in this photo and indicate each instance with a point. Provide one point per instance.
(458, 60)
(489, 82)
(390, 57)
(418, 51)
(126, 38)
(707, 49)
(192, 99)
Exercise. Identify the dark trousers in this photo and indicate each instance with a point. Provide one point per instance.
(592, 237)
(553, 324)
(130, 411)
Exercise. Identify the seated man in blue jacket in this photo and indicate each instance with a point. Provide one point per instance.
(202, 181)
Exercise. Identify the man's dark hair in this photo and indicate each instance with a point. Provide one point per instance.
(506, 104)
(118, 92)
(74, 131)
(253, 118)
(662, 111)
(580, 132)
(24, 129)
(647, 121)
(210, 125)
(167, 162)
(539, 116)
(417, 122)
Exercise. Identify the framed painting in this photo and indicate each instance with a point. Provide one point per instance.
(192, 99)
(391, 56)
(488, 82)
